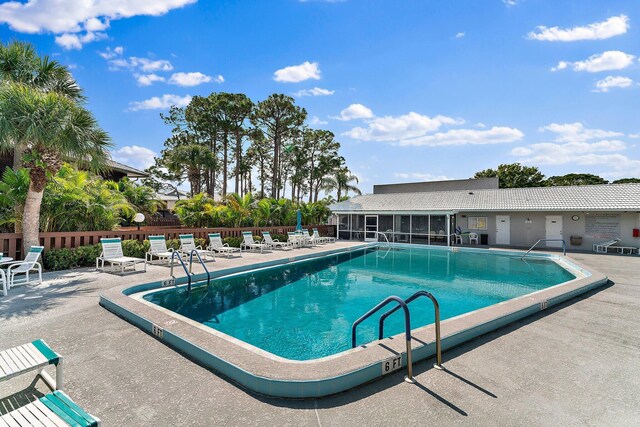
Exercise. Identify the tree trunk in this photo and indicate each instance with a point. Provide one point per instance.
(18, 153)
(31, 219)
(225, 163)
(238, 184)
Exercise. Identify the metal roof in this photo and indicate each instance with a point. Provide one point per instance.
(128, 170)
(609, 197)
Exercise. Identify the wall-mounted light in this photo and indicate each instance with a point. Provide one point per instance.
(528, 221)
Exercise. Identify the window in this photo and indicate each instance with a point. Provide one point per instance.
(477, 223)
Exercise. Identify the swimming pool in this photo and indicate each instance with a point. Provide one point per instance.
(305, 310)
(261, 297)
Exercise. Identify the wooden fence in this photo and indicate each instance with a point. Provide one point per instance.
(11, 243)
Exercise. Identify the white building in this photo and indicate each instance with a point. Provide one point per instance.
(430, 213)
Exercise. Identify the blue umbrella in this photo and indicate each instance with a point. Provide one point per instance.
(299, 224)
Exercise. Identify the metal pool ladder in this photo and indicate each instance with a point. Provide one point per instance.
(189, 271)
(436, 307)
(407, 326)
(564, 246)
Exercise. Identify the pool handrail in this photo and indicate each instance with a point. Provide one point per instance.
(564, 246)
(201, 263)
(184, 267)
(407, 327)
(436, 308)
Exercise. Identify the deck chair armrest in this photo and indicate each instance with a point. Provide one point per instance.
(225, 245)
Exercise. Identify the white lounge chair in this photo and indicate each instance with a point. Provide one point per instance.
(112, 253)
(323, 239)
(34, 356)
(53, 409)
(29, 264)
(473, 237)
(297, 240)
(275, 243)
(249, 243)
(603, 247)
(158, 248)
(3, 281)
(216, 245)
(188, 244)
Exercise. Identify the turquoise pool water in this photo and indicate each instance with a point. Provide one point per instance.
(304, 310)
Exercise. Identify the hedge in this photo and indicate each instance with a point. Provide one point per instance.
(85, 256)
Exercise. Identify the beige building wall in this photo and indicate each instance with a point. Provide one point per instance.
(528, 227)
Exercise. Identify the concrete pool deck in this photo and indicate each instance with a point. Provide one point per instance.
(577, 363)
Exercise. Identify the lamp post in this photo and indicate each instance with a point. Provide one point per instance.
(138, 218)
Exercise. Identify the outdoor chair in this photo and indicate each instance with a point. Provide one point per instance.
(275, 243)
(603, 247)
(297, 240)
(216, 245)
(158, 248)
(458, 238)
(29, 264)
(3, 280)
(473, 237)
(112, 253)
(52, 409)
(188, 245)
(324, 239)
(249, 243)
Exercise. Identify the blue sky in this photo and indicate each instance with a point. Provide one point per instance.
(414, 90)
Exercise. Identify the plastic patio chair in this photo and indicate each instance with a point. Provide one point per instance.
(29, 264)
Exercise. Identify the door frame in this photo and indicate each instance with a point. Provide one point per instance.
(508, 242)
(367, 238)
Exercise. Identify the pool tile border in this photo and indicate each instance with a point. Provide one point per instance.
(275, 376)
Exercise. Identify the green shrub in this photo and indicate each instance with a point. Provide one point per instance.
(134, 248)
(280, 237)
(234, 242)
(59, 259)
(85, 256)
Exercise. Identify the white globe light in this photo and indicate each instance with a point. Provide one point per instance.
(139, 217)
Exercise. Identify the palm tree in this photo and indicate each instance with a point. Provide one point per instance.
(50, 127)
(341, 182)
(19, 63)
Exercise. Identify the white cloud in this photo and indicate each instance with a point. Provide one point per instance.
(613, 26)
(190, 79)
(576, 132)
(160, 103)
(219, 78)
(69, 17)
(298, 73)
(612, 81)
(460, 35)
(610, 60)
(421, 176)
(316, 121)
(71, 41)
(112, 53)
(135, 156)
(480, 125)
(578, 146)
(634, 135)
(403, 127)
(355, 111)
(95, 24)
(148, 79)
(510, 3)
(316, 91)
(606, 153)
(495, 135)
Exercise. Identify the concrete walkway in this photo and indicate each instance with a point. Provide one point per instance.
(575, 364)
